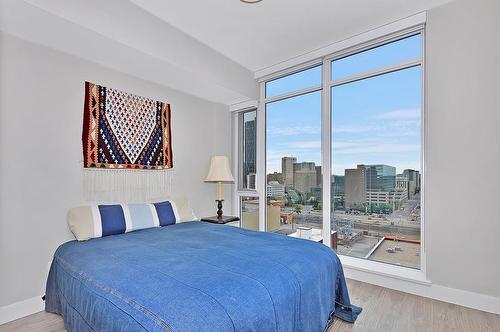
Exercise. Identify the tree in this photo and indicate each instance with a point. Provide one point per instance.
(298, 208)
(358, 207)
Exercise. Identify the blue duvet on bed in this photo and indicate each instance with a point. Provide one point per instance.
(197, 277)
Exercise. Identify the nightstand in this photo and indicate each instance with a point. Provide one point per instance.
(221, 220)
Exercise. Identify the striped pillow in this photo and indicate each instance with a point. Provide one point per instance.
(87, 222)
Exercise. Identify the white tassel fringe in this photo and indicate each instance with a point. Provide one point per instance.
(126, 185)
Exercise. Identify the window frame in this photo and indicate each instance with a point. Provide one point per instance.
(238, 142)
(297, 93)
(261, 113)
(326, 158)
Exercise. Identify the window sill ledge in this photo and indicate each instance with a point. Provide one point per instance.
(368, 267)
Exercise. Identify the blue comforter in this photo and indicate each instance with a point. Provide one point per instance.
(197, 277)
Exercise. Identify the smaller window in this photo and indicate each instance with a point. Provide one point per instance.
(247, 138)
(249, 212)
(294, 82)
(397, 52)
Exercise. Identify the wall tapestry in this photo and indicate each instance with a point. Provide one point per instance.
(125, 131)
(127, 147)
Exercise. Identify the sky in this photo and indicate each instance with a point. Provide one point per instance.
(374, 121)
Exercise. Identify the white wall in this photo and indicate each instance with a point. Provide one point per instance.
(462, 225)
(41, 105)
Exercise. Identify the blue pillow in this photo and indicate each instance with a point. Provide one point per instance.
(166, 213)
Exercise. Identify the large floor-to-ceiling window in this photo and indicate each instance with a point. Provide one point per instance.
(293, 166)
(342, 142)
(376, 152)
(293, 154)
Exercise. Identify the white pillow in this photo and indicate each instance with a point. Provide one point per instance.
(184, 210)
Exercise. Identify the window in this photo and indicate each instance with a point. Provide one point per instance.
(376, 149)
(394, 53)
(294, 82)
(249, 212)
(246, 199)
(293, 158)
(342, 153)
(247, 125)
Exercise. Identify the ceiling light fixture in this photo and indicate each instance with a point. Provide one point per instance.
(250, 1)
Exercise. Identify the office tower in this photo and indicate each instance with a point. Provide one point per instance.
(287, 170)
(355, 186)
(319, 179)
(249, 153)
(414, 177)
(380, 177)
(304, 176)
(338, 185)
(275, 189)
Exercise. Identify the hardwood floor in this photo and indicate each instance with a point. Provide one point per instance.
(384, 310)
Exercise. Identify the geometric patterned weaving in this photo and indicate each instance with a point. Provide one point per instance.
(125, 131)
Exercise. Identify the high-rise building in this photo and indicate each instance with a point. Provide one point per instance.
(403, 186)
(275, 189)
(319, 179)
(287, 170)
(304, 176)
(380, 177)
(414, 177)
(355, 186)
(249, 152)
(338, 185)
(410, 174)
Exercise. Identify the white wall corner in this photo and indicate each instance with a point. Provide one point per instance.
(21, 309)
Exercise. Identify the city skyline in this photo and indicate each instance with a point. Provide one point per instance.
(383, 127)
(399, 170)
(296, 161)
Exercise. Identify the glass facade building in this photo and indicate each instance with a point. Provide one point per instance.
(380, 177)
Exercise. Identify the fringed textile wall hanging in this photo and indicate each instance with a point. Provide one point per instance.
(127, 146)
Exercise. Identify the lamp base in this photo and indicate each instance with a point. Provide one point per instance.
(219, 207)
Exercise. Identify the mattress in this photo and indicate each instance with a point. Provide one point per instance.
(197, 276)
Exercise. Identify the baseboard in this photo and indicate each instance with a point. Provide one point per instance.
(446, 294)
(21, 309)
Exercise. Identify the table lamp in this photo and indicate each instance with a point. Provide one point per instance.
(219, 172)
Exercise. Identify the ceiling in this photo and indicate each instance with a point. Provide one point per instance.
(207, 48)
(119, 35)
(263, 34)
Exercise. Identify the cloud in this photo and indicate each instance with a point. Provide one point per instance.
(402, 133)
(306, 145)
(353, 129)
(346, 148)
(345, 145)
(293, 131)
(402, 114)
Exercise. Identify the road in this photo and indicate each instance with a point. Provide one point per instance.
(411, 206)
(389, 229)
(315, 222)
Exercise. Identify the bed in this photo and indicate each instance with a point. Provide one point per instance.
(197, 276)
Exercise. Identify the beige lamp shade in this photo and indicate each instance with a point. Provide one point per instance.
(219, 170)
